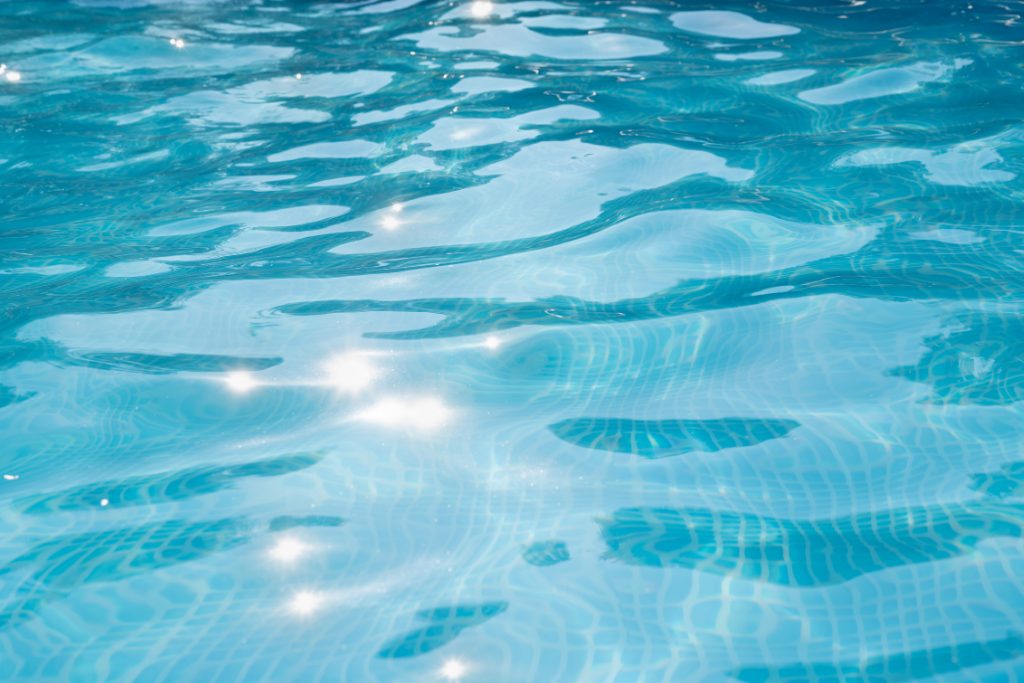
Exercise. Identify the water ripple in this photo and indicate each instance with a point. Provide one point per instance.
(328, 330)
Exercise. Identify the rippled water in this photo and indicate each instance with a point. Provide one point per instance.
(519, 341)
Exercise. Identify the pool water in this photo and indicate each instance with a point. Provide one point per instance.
(502, 342)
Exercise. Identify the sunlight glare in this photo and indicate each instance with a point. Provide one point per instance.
(422, 413)
(305, 603)
(352, 372)
(11, 75)
(240, 382)
(481, 9)
(288, 549)
(453, 669)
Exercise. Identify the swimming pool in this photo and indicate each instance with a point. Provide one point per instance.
(538, 340)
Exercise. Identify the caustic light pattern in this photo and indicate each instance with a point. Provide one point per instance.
(511, 341)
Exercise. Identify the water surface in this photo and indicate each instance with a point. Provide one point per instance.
(409, 340)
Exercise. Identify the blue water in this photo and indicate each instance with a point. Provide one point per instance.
(501, 342)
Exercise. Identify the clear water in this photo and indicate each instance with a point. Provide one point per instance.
(526, 341)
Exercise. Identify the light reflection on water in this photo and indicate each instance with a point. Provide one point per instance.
(401, 340)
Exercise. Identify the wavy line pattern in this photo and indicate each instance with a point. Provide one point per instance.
(815, 552)
(511, 340)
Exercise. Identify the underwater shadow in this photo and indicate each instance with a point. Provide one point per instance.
(804, 553)
(894, 668)
(444, 624)
(655, 439)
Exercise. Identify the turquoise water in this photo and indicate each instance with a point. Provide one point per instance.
(554, 341)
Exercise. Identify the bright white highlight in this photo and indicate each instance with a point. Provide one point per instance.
(492, 342)
(453, 669)
(11, 75)
(305, 603)
(288, 549)
(391, 222)
(465, 133)
(422, 413)
(240, 382)
(177, 42)
(481, 9)
(352, 372)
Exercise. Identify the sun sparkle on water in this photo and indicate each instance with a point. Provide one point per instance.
(453, 669)
(352, 372)
(288, 549)
(481, 9)
(10, 75)
(305, 603)
(423, 413)
(240, 382)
